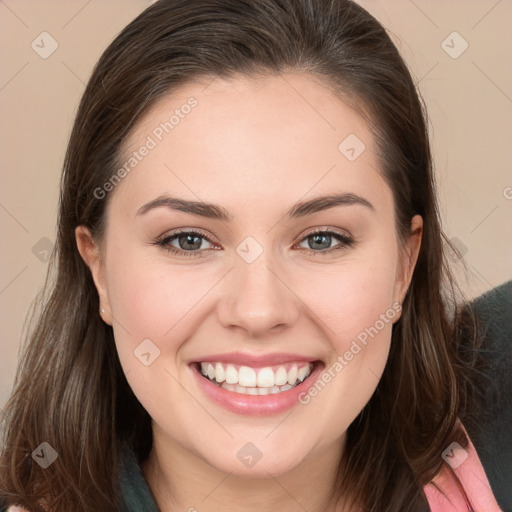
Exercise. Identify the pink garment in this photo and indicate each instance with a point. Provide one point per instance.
(465, 466)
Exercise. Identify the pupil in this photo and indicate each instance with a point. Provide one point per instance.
(320, 236)
(189, 239)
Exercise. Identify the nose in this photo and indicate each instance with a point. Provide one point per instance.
(257, 299)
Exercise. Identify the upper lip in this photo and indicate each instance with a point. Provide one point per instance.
(240, 358)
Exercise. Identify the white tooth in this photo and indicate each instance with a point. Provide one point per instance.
(220, 374)
(231, 375)
(281, 377)
(248, 381)
(204, 368)
(246, 376)
(265, 378)
(292, 375)
(303, 372)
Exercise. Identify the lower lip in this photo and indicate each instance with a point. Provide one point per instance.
(257, 405)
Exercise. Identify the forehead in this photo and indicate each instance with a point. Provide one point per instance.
(239, 139)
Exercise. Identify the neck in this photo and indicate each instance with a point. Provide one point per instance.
(182, 481)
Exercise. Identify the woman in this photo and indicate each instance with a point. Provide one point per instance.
(251, 308)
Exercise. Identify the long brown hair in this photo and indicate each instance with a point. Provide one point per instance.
(70, 390)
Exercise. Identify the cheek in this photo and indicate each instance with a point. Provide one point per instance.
(151, 299)
(357, 314)
(355, 305)
(153, 302)
(355, 295)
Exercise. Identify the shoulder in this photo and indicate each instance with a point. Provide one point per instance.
(488, 419)
(494, 310)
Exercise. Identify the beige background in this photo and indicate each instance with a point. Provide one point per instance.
(469, 100)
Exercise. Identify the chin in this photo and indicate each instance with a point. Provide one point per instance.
(249, 462)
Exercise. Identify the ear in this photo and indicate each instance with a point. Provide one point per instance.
(407, 259)
(90, 252)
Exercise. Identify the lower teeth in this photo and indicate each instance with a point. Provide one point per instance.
(255, 390)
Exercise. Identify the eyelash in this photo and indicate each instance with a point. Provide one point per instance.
(345, 242)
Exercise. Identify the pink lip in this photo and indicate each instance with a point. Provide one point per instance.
(256, 405)
(254, 361)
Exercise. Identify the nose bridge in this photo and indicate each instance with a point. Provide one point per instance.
(257, 298)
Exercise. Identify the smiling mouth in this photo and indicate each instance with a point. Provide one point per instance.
(256, 381)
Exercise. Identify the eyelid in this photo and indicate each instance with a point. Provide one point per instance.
(185, 231)
(325, 229)
(167, 236)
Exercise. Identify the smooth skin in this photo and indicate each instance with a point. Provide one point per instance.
(254, 147)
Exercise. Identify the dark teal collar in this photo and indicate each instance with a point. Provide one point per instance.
(135, 491)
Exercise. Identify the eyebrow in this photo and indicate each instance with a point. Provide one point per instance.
(212, 211)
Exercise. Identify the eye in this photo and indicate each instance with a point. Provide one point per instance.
(322, 238)
(189, 243)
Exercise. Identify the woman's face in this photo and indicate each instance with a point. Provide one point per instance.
(253, 291)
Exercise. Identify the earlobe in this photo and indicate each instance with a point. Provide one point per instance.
(91, 254)
(408, 259)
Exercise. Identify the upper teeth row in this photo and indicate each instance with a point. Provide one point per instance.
(248, 377)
